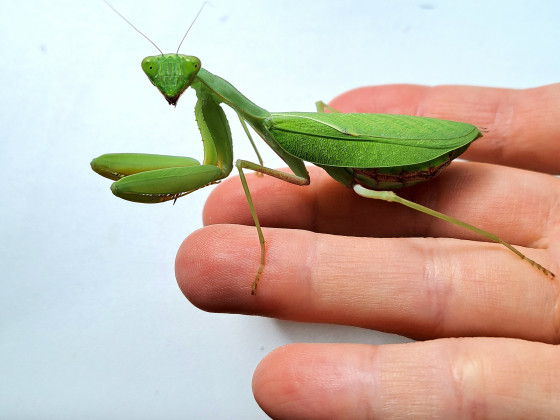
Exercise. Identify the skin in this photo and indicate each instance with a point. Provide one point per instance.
(486, 320)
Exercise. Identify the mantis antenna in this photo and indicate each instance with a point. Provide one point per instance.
(194, 20)
(152, 42)
(135, 28)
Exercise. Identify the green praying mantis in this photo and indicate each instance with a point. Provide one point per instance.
(372, 153)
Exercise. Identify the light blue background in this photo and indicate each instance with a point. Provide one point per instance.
(92, 323)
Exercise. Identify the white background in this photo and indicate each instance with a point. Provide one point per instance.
(92, 323)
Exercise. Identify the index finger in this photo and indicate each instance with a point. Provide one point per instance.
(521, 126)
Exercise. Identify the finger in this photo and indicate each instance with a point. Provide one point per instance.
(443, 379)
(521, 126)
(420, 288)
(516, 205)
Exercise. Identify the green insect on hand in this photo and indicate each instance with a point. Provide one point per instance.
(371, 153)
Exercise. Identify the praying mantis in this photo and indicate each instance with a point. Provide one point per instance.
(373, 154)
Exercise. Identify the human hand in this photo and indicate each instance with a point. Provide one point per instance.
(335, 257)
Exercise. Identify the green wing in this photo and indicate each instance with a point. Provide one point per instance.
(367, 140)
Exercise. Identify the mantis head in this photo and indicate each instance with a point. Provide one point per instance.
(171, 73)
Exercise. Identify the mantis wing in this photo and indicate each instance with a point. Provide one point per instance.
(369, 140)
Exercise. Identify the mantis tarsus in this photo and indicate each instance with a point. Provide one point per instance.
(371, 153)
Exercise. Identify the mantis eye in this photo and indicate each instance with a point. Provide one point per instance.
(190, 66)
(150, 65)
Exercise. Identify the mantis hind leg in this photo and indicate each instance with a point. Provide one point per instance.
(321, 107)
(390, 196)
(291, 178)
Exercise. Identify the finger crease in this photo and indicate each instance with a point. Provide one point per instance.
(469, 383)
(503, 119)
(437, 294)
